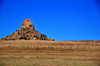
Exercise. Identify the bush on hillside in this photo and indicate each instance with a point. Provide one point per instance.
(23, 38)
(44, 38)
(34, 36)
(28, 38)
(53, 40)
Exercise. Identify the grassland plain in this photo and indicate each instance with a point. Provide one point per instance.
(49, 53)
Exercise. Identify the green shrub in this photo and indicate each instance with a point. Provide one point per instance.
(27, 32)
(8, 35)
(18, 32)
(44, 38)
(34, 36)
(23, 38)
(53, 40)
(41, 36)
(1, 38)
(13, 39)
(28, 38)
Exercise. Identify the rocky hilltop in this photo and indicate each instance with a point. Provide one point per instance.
(27, 32)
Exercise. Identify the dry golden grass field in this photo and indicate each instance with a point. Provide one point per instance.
(49, 53)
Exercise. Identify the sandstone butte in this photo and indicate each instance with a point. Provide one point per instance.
(27, 32)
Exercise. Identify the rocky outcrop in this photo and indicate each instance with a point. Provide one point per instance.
(27, 24)
(27, 32)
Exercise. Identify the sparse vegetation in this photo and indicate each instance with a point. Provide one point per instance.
(37, 37)
(44, 38)
(54, 44)
(12, 39)
(8, 35)
(28, 38)
(34, 36)
(17, 30)
(31, 32)
(18, 33)
(53, 53)
(41, 36)
(12, 34)
(53, 40)
(44, 35)
(24, 29)
(27, 35)
(23, 37)
(27, 32)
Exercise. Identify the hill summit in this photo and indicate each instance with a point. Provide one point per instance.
(27, 32)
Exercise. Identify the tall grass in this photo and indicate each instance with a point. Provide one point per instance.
(50, 44)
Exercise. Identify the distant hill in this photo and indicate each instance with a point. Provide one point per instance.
(27, 32)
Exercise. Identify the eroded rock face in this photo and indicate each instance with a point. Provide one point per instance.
(27, 24)
(27, 32)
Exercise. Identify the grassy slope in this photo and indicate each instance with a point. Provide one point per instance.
(14, 54)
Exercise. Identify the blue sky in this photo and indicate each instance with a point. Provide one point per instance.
(57, 19)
